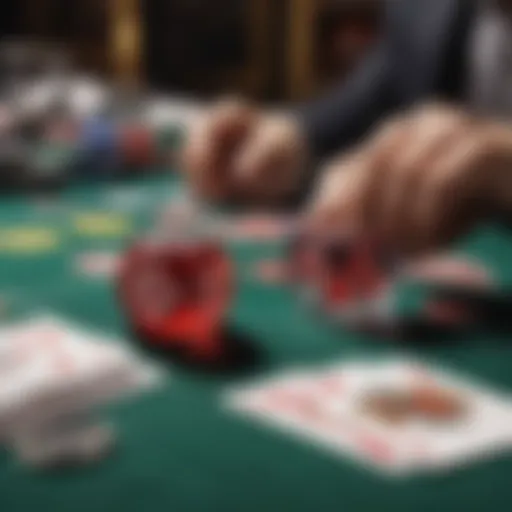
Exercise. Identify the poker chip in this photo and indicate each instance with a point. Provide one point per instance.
(97, 263)
(136, 145)
(389, 406)
(427, 403)
(436, 404)
(69, 446)
(175, 295)
(50, 164)
(98, 151)
(168, 141)
(62, 131)
(169, 136)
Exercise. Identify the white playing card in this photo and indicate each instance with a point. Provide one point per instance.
(486, 428)
(325, 406)
(55, 367)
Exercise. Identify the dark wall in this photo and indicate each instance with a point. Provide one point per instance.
(10, 19)
(190, 44)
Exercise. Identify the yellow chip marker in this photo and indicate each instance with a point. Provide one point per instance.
(101, 224)
(28, 240)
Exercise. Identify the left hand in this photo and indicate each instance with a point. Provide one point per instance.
(421, 180)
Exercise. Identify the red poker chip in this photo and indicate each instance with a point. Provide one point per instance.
(176, 295)
(137, 146)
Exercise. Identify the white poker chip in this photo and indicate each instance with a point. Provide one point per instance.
(97, 263)
(66, 445)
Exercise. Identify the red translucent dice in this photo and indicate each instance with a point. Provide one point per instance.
(176, 294)
(337, 271)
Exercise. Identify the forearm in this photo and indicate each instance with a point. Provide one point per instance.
(344, 116)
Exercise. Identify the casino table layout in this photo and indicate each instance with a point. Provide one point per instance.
(179, 448)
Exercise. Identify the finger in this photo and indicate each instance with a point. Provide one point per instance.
(270, 161)
(440, 114)
(429, 139)
(443, 207)
(258, 154)
(378, 157)
(212, 145)
(331, 204)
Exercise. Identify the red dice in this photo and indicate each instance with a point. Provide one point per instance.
(338, 270)
(176, 294)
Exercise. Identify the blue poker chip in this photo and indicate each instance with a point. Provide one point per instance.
(98, 149)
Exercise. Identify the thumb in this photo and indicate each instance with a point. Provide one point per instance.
(255, 157)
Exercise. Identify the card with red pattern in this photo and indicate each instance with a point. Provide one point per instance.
(399, 417)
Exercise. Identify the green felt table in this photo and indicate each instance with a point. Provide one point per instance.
(179, 448)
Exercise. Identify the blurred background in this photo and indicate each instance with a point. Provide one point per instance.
(279, 51)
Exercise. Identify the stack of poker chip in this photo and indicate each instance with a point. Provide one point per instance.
(55, 147)
(98, 148)
(97, 152)
(54, 154)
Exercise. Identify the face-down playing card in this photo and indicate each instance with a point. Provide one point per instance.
(447, 292)
(398, 417)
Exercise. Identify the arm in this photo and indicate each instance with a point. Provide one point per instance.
(343, 116)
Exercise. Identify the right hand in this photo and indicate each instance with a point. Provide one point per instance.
(421, 181)
(236, 152)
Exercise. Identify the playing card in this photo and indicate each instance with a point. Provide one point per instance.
(317, 406)
(397, 416)
(52, 367)
(484, 427)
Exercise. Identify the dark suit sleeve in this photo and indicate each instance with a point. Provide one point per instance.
(343, 116)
